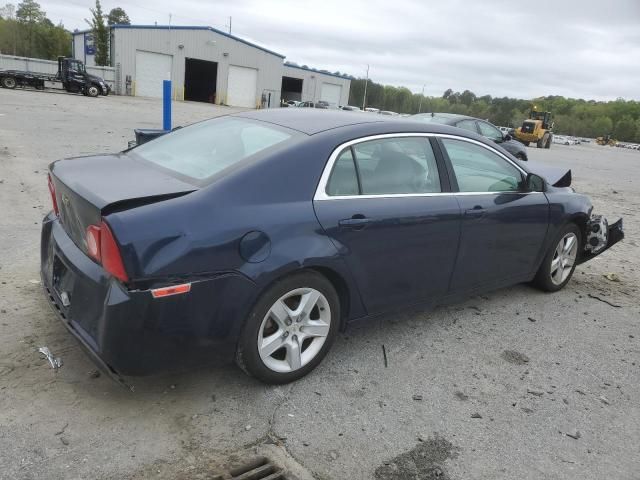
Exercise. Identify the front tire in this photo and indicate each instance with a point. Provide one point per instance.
(93, 91)
(290, 329)
(560, 261)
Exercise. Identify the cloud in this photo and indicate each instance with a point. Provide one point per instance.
(575, 48)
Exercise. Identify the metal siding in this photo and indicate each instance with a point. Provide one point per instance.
(202, 44)
(312, 83)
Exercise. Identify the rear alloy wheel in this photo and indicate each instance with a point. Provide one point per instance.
(8, 82)
(290, 329)
(560, 262)
(93, 91)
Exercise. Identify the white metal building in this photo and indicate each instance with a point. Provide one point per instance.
(208, 65)
(306, 84)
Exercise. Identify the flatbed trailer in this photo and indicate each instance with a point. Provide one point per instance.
(71, 74)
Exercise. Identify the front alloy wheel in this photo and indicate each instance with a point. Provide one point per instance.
(290, 329)
(560, 261)
(564, 258)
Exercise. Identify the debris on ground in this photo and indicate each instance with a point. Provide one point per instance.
(612, 277)
(595, 297)
(575, 435)
(55, 362)
(514, 357)
(537, 393)
(417, 398)
(531, 319)
(476, 415)
(94, 374)
(61, 431)
(605, 400)
(384, 354)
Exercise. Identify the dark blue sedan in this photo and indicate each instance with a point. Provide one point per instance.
(259, 235)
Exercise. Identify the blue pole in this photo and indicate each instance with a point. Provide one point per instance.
(166, 105)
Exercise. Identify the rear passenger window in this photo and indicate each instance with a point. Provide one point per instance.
(343, 179)
(404, 165)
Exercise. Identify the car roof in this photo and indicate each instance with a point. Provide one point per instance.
(311, 121)
(450, 118)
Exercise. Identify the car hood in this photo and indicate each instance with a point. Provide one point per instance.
(556, 176)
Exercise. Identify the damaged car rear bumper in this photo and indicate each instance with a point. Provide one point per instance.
(129, 332)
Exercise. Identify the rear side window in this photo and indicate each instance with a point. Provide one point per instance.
(343, 179)
(205, 149)
(390, 166)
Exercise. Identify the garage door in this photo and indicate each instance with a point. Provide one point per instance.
(242, 88)
(331, 93)
(151, 70)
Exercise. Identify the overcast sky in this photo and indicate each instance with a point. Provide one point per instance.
(577, 48)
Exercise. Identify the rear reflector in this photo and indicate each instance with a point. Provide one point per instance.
(93, 242)
(102, 247)
(52, 191)
(173, 290)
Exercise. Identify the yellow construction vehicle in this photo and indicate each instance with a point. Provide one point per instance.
(606, 140)
(537, 129)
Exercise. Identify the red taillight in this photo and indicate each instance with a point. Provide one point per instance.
(52, 191)
(102, 247)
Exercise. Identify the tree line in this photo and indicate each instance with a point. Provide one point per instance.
(577, 117)
(26, 31)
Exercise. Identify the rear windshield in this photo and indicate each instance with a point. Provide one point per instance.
(204, 149)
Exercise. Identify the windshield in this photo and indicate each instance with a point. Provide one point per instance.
(205, 149)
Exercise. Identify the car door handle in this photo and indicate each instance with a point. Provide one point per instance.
(476, 211)
(356, 222)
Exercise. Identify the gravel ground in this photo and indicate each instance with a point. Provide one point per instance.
(513, 384)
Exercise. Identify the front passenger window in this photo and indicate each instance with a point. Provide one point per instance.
(490, 132)
(478, 169)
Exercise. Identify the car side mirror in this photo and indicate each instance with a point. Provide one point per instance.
(534, 183)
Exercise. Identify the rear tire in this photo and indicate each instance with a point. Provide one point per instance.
(522, 157)
(8, 82)
(300, 340)
(526, 144)
(560, 261)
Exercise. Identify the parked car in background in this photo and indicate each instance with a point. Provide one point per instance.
(478, 126)
(198, 241)
(388, 112)
(372, 110)
(351, 108)
(291, 103)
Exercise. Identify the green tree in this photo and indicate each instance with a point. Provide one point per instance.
(625, 129)
(100, 35)
(602, 126)
(117, 16)
(29, 14)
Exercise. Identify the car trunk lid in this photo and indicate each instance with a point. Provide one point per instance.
(88, 188)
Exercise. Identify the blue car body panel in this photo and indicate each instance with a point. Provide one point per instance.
(258, 222)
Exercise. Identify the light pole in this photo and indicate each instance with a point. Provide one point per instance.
(364, 97)
(421, 97)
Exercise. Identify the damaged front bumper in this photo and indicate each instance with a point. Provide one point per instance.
(600, 236)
